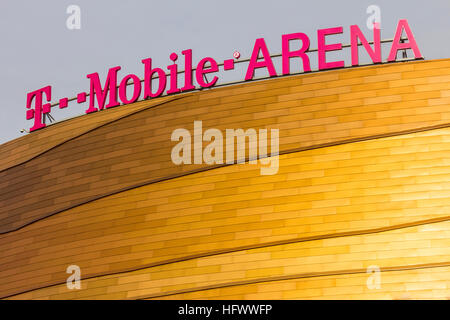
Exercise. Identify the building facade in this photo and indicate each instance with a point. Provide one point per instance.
(359, 208)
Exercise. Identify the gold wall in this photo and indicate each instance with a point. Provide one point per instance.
(364, 180)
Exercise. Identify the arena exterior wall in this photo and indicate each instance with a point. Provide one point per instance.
(364, 180)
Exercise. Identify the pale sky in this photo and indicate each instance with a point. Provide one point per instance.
(38, 49)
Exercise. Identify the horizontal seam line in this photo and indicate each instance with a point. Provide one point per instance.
(90, 130)
(291, 277)
(255, 246)
(211, 167)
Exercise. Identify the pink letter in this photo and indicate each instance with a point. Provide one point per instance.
(397, 45)
(148, 79)
(260, 44)
(96, 90)
(39, 109)
(123, 89)
(286, 54)
(322, 48)
(200, 71)
(173, 74)
(355, 34)
(187, 70)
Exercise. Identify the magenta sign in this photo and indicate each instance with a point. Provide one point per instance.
(155, 82)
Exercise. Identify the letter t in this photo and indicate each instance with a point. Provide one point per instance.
(39, 109)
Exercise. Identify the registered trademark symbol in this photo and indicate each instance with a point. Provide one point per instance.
(236, 54)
